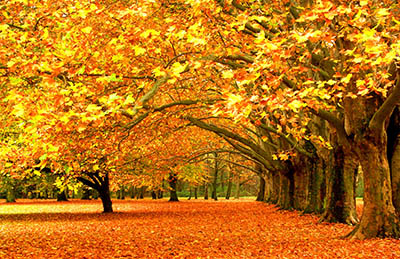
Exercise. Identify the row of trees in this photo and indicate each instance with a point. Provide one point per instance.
(299, 92)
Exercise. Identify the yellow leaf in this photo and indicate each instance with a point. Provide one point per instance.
(87, 29)
(93, 108)
(363, 92)
(139, 50)
(346, 79)
(227, 74)
(260, 37)
(93, 7)
(382, 12)
(46, 33)
(364, 2)
(18, 110)
(178, 68)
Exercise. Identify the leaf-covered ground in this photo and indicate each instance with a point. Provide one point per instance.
(188, 229)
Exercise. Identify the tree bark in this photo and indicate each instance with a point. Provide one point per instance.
(237, 195)
(393, 133)
(10, 196)
(379, 217)
(229, 189)
(172, 184)
(215, 179)
(102, 185)
(340, 185)
(261, 189)
(190, 193)
(62, 195)
(206, 191)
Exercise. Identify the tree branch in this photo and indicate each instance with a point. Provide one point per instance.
(378, 120)
(288, 140)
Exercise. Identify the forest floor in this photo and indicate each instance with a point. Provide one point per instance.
(186, 229)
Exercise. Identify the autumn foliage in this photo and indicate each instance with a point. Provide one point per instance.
(301, 93)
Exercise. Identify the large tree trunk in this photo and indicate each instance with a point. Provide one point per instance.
(172, 184)
(102, 185)
(268, 186)
(261, 189)
(393, 134)
(105, 194)
(62, 195)
(276, 179)
(379, 217)
(341, 177)
(286, 190)
(395, 173)
(316, 187)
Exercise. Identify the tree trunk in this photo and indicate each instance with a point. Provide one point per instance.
(229, 189)
(393, 134)
(172, 184)
(62, 195)
(195, 193)
(341, 179)
(222, 181)
(102, 185)
(286, 193)
(261, 190)
(106, 200)
(105, 194)
(206, 191)
(395, 173)
(268, 186)
(142, 191)
(214, 184)
(160, 194)
(121, 192)
(85, 193)
(10, 197)
(237, 195)
(190, 193)
(317, 187)
(153, 195)
(379, 217)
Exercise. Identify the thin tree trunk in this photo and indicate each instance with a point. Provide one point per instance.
(10, 197)
(237, 195)
(229, 189)
(195, 193)
(214, 184)
(190, 193)
(206, 191)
